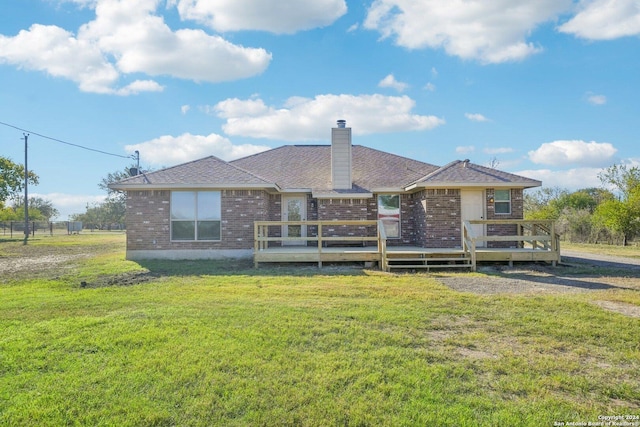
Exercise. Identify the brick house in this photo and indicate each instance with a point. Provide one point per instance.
(206, 208)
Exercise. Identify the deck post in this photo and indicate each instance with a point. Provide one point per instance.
(256, 242)
(555, 247)
(319, 244)
(473, 254)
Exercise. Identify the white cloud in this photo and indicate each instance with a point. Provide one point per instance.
(282, 16)
(234, 107)
(186, 147)
(570, 179)
(596, 99)
(139, 86)
(430, 87)
(466, 149)
(390, 81)
(310, 119)
(55, 50)
(476, 117)
(604, 20)
(489, 31)
(185, 109)
(126, 38)
(142, 42)
(69, 204)
(582, 153)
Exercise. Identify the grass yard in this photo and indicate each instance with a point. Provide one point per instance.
(91, 339)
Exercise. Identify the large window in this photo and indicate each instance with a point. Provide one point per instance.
(195, 215)
(503, 201)
(389, 213)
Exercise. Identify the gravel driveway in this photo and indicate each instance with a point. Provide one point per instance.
(578, 272)
(601, 260)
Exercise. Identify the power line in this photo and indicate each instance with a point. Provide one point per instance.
(67, 143)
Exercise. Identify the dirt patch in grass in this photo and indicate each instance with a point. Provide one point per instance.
(51, 257)
(620, 307)
(38, 265)
(124, 279)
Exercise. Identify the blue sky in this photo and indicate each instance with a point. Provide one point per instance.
(549, 89)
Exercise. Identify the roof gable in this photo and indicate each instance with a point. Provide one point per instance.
(309, 167)
(465, 173)
(210, 171)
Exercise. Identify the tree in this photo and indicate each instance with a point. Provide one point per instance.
(101, 215)
(624, 180)
(112, 178)
(572, 211)
(44, 207)
(621, 215)
(12, 179)
(8, 214)
(112, 210)
(541, 204)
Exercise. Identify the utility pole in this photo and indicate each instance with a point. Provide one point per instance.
(137, 162)
(26, 191)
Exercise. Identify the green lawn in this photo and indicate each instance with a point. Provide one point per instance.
(204, 343)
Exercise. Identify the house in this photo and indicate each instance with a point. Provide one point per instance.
(207, 208)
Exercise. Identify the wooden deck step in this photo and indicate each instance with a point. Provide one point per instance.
(428, 266)
(429, 259)
(410, 260)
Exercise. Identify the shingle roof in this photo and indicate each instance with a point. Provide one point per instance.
(309, 166)
(466, 173)
(207, 171)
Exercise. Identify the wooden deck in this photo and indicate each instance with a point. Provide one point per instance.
(364, 241)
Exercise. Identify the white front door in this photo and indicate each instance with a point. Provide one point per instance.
(472, 206)
(294, 208)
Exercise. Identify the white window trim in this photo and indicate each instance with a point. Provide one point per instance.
(496, 201)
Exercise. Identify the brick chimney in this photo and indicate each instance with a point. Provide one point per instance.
(341, 156)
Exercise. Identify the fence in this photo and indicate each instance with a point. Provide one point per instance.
(13, 229)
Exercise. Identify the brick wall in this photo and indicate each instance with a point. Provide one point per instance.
(240, 208)
(148, 220)
(407, 221)
(345, 210)
(517, 212)
(429, 218)
(436, 214)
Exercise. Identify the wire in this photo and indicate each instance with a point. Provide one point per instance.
(67, 143)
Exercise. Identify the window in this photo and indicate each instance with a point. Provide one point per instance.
(195, 215)
(503, 201)
(389, 214)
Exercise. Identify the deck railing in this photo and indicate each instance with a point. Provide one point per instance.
(320, 234)
(469, 243)
(537, 237)
(507, 240)
(382, 246)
